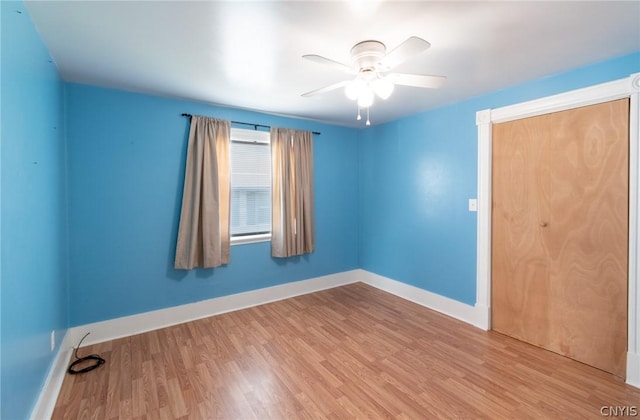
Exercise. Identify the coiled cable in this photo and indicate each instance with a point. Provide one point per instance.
(95, 361)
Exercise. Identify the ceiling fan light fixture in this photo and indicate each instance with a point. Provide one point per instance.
(365, 100)
(383, 87)
(354, 89)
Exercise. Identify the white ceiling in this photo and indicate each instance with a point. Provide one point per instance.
(248, 54)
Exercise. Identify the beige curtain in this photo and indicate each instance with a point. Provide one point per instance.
(203, 235)
(292, 231)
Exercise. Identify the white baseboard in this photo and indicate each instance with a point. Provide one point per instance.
(633, 369)
(148, 321)
(52, 385)
(472, 315)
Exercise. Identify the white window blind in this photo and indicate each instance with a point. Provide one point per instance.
(250, 183)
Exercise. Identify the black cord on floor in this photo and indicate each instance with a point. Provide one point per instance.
(97, 361)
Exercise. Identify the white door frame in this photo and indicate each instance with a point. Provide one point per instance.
(629, 87)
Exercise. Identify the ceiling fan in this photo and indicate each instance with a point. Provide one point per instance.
(371, 67)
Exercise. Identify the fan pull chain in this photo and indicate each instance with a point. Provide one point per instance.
(359, 117)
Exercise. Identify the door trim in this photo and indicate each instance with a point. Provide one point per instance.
(628, 87)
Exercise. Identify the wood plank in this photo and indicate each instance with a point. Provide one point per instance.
(329, 374)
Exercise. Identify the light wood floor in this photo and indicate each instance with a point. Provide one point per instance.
(349, 352)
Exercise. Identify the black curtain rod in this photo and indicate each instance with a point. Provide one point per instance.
(255, 126)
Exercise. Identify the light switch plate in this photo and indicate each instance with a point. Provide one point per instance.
(473, 204)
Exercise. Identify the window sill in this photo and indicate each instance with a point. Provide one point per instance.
(251, 239)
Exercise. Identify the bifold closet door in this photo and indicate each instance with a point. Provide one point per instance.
(560, 232)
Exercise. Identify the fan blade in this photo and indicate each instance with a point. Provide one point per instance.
(412, 46)
(417, 80)
(326, 89)
(328, 62)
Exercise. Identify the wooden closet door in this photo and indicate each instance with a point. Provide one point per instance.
(520, 260)
(560, 226)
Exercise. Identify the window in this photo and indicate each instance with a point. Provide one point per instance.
(250, 186)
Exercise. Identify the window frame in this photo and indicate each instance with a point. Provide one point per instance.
(242, 135)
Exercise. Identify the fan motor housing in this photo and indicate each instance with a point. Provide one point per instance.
(367, 54)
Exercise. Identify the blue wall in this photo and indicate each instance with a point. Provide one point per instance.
(417, 174)
(33, 215)
(126, 166)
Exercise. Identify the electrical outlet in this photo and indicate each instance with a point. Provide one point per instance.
(53, 339)
(473, 204)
